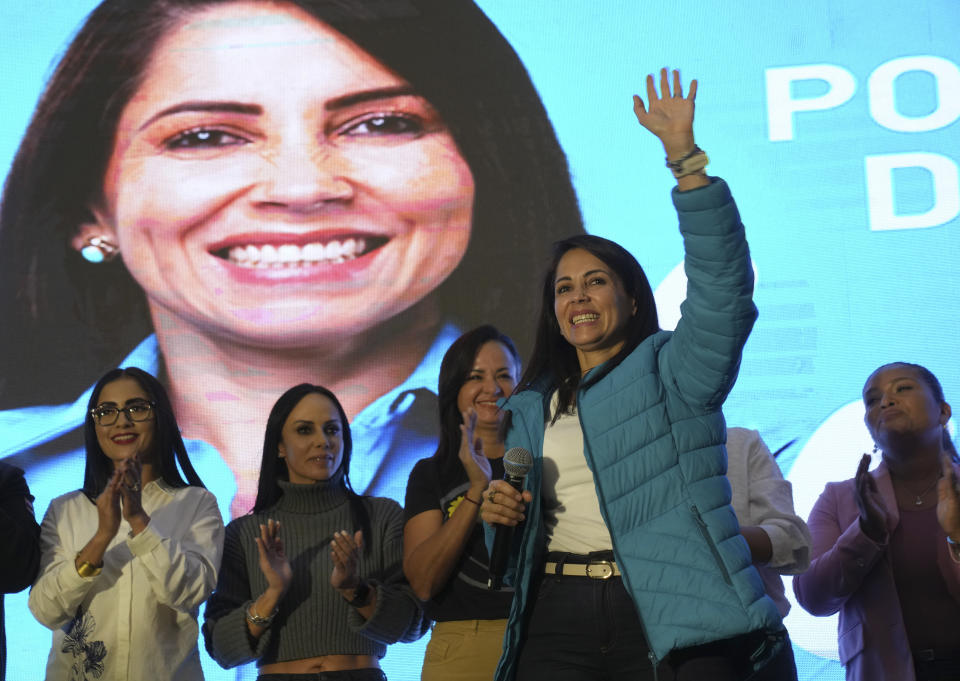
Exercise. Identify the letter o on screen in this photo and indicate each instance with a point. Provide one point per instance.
(882, 95)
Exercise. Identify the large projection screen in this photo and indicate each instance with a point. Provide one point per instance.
(835, 124)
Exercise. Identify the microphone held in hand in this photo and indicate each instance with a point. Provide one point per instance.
(517, 462)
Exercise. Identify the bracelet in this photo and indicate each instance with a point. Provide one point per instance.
(254, 618)
(88, 569)
(361, 596)
(693, 162)
(467, 497)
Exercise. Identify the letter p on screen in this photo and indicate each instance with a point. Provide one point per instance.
(782, 104)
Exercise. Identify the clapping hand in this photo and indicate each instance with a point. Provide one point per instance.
(345, 552)
(475, 463)
(108, 507)
(273, 561)
(873, 512)
(948, 499)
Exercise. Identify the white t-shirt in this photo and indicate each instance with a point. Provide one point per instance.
(571, 508)
(137, 619)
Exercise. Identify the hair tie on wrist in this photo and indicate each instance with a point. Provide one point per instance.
(692, 162)
(467, 497)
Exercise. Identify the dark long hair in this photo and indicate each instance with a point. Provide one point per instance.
(273, 469)
(454, 369)
(934, 384)
(450, 53)
(169, 449)
(553, 364)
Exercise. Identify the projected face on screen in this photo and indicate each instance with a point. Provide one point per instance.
(289, 190)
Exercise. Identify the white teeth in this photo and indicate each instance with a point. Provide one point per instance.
(291, 255)
(586, 317)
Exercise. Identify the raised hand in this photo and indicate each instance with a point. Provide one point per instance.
(948, 499)
(273, 561)
(475, 463)
(345, 552)
(668, 115)
(873, 512)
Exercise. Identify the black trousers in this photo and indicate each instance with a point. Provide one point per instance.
(582, 629)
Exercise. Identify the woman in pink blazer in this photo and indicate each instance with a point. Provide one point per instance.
(885, 543)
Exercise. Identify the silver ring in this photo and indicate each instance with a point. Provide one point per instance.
(135, 487)
(490, 496)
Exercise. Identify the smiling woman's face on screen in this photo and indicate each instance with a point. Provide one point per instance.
(272, 182)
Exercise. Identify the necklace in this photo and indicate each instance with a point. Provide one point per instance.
(925, 492)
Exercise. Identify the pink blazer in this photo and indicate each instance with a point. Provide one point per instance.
(851, 574)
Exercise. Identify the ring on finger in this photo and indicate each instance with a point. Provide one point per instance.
(493, 493)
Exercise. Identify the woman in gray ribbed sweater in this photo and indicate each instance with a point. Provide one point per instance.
(272, 604)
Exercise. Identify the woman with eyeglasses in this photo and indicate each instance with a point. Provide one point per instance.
(129, 557)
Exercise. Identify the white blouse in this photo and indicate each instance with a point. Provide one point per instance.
(137, 619)
(571, 508)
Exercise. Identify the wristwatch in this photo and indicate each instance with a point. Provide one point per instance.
(361, 596)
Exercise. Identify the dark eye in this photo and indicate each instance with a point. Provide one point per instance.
(331, 430)
(384, 125)
(868, 401)
(138, 408)
(598, 281)
(104, 411)
(304, 429)
(562, 289)
(203, 138)
(905, 386)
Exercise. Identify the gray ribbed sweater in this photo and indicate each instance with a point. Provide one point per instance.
(313, 618)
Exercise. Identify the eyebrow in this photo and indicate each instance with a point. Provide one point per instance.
(256, 110)
(132, 400)
(586, 274)
(202, 106)
(353, 98)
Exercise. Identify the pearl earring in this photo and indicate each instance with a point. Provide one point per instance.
(98, 249)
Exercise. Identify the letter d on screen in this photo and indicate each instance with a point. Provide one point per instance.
(880, 190)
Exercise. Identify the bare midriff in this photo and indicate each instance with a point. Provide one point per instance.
(322, 663)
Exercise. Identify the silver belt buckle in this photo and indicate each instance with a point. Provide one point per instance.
(605, 569)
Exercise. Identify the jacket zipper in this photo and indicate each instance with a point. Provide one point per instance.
(654, 661)
(713, 547)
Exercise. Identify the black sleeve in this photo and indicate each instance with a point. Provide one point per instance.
(21, 531)
(422, 489)
(225, 632)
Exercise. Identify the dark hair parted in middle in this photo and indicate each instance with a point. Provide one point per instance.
(449, 52)
(455, 368)
(272, 467)
(168, 446)
(554, 360)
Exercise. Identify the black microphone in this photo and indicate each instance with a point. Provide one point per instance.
(517, 462)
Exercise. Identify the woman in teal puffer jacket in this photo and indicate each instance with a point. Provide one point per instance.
(630, 553)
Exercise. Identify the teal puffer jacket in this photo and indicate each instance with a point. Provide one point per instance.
(654, 438)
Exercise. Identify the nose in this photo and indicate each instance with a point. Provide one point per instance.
(125, 414)
(303, 178)
(490, 385)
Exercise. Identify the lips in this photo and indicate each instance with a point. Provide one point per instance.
(124, 438)
(292, 251)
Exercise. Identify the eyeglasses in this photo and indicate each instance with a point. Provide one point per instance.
(107, 416)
